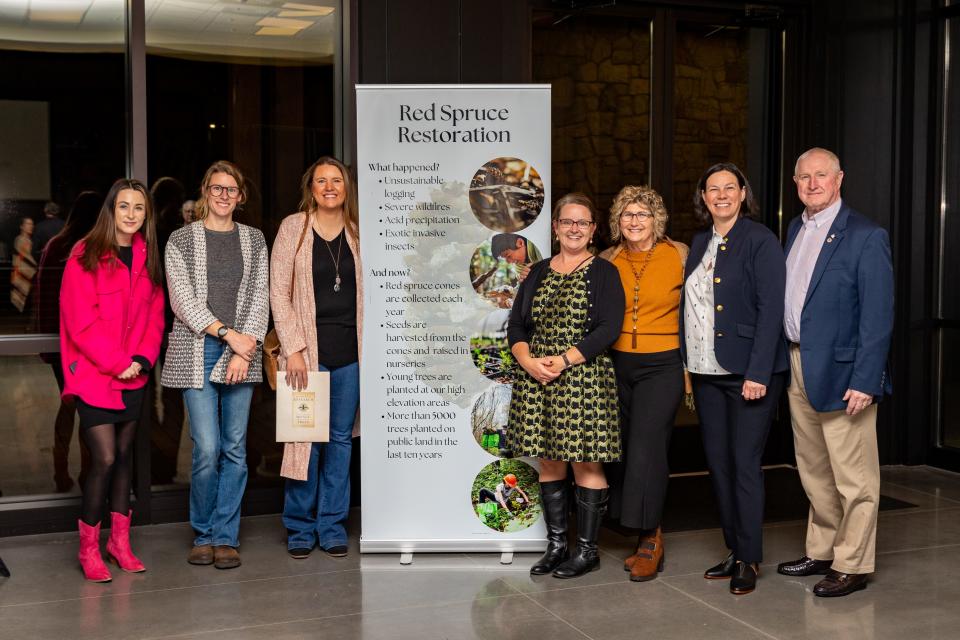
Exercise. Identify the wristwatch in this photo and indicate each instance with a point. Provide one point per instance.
(222, 332)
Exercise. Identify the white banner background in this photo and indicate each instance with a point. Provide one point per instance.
(418, 234)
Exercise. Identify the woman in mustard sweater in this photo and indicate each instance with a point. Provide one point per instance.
(646, 358)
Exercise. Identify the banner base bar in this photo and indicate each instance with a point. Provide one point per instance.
(409, 547)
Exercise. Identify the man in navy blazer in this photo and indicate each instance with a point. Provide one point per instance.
(838, 318)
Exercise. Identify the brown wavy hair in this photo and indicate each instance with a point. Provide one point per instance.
(220, 166)
(574, 197)
(645, 197)
(102, 239)
(308, 204)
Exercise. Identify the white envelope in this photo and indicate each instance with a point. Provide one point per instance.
(304, 416)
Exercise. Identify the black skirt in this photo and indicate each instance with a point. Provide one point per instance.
(91, 416)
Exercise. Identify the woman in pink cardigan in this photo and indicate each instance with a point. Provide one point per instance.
(111, 324)
(316, 294)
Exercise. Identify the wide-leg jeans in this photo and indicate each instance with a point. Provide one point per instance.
(315, 510)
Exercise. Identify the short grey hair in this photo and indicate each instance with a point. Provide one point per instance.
(834, 160)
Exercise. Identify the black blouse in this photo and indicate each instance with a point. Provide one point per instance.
(336, 310)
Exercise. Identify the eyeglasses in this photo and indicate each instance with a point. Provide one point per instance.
(217, 189)
(633, 216)
(566, 223)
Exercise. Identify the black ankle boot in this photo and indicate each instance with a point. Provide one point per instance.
(591, 507)
(553, 496)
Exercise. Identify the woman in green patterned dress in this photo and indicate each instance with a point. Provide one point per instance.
(568, 310)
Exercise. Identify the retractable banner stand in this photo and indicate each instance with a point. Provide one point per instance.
(454, 186)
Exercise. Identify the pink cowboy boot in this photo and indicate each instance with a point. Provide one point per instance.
(90, 559)
(118, 546)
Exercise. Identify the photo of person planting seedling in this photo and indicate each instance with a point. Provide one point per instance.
(506, 495)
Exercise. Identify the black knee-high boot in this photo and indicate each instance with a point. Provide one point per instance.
(591, 507)
(553, 496)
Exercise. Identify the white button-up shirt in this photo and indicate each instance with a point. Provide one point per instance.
(698, 313)
(801, 262)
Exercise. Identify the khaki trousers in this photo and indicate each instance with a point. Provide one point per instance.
(840, 471)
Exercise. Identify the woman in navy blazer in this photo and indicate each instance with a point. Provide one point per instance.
(732, 343)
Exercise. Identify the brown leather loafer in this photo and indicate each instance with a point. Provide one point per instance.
(201, 554)
(225, 557)
(805, 566)
(840, 584)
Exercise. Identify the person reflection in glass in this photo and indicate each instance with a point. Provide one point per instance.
(166, 417)
(24, 265)
(80, 220)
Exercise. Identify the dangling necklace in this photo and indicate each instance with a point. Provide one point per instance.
(336, 261)
(636, 287)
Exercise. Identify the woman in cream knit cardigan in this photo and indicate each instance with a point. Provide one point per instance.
(316, 294)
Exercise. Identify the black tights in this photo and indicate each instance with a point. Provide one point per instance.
(111, 468)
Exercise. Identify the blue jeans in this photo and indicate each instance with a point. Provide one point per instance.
(218, 426)
(315, 509)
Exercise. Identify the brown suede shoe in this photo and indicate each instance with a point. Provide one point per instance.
(648, 561)
(202, 554)
(225, 557)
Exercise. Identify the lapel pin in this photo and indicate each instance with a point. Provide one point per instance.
(832, 236)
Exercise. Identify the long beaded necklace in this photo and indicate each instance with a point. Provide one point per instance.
(636, 287)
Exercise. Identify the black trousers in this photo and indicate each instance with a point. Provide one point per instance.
(650, 386)
(734, 434)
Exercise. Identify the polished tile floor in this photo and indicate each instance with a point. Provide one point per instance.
(915, 593)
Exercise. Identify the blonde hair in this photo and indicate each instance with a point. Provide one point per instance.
(220, 166)
(645, 197)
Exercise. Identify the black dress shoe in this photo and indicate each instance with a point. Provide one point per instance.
(721, 571)
(840, 584)
(299, 553)
(744, 578)
(805, 567)
(336, 551)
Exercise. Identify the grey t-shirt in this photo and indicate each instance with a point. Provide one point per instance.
(224, 273)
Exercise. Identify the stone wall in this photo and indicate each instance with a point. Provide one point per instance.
(710, 106)
(600, 72)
